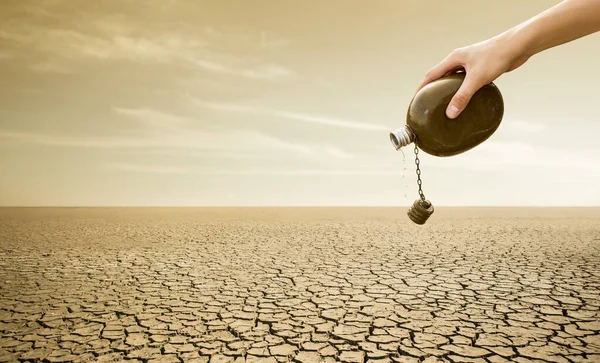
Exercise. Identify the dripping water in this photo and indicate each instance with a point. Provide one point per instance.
(404, 175)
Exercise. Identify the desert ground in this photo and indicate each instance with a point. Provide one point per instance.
(299, 284)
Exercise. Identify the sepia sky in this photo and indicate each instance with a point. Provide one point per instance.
(270, 102)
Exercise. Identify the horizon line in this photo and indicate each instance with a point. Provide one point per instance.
(296, 206)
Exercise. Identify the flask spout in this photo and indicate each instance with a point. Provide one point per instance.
(402, 137)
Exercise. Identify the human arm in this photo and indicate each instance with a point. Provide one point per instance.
(485, 61)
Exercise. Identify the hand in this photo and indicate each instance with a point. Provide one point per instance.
(482, 62)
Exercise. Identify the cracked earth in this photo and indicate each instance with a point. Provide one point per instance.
(302, 285)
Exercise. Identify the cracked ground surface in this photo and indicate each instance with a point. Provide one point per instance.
(299, 284)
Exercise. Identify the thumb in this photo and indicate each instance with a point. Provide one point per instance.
(462, 97)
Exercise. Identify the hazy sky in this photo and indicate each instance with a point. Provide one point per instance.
(175, 102)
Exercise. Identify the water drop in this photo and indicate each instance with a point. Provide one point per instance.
(404, 175)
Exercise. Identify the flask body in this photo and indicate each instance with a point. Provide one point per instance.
(439, 135)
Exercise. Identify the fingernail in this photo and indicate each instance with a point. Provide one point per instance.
(452, 111)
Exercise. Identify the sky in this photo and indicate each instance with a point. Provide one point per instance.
(270, 102)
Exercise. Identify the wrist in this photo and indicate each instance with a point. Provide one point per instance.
(520, 41)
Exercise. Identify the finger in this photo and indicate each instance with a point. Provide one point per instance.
(448, 65)
(461, 98)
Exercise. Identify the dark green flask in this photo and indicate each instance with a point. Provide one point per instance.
(438, 135)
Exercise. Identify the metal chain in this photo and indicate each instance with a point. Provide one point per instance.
(417, 161)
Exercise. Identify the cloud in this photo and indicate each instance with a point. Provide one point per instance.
(83, 141)
(304, 172)
(260, 72)
(338, 153)
(154, 118)
(165, 131)
(227, 36)
(184, 139)
(191, 171)
(315, 119)
(51, 67)
(182, 154)
(148, 168)
(515, 155)
(271, 41)
(524, 127)
(114, 39)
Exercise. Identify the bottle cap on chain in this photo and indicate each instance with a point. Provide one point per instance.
(421, 209)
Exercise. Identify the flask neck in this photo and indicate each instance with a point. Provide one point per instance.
(402, 137)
